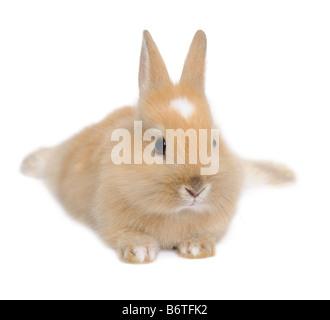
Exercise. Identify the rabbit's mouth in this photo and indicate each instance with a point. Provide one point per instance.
(193, 203)
(193, 199)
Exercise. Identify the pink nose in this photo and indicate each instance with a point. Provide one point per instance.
(192, 193)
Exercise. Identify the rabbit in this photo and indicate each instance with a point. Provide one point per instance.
(139, 209)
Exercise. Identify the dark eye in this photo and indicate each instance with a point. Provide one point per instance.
(214, 143)
(160, 146)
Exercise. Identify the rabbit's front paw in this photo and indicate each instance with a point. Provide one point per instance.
(196, 250)
(139, 254)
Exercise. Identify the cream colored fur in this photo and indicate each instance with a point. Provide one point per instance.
(140, 209)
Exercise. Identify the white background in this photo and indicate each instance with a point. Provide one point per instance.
(67, 64)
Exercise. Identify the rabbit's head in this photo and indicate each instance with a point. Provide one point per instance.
(174, 186)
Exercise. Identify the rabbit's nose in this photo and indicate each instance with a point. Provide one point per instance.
(195, 185)
(194, 194)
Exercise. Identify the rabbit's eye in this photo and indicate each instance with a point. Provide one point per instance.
(214, 143)
(160, 146)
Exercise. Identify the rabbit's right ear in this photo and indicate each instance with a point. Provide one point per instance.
(153, 73)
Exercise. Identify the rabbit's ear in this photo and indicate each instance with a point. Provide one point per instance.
(194, 67)
(153, 73)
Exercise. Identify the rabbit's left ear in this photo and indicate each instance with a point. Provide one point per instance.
(153, 73)
(194, 67)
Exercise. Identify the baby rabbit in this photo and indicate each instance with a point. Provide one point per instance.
(137, 207)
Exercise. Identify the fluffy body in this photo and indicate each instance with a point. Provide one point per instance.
(139, 209)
